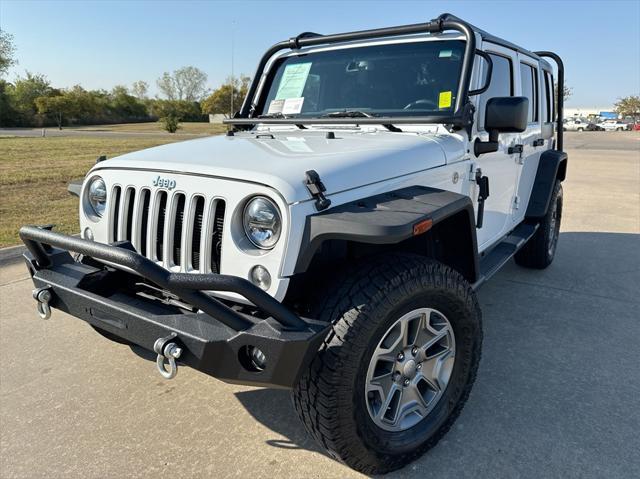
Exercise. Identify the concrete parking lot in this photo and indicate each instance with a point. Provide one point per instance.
(557, 393)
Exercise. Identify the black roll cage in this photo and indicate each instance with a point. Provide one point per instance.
(461, 116)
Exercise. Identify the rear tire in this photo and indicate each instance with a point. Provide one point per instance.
(333, 397)
(540, 250)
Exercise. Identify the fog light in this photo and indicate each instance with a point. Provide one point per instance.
(261, 277)
(88, 234)
(258, 359)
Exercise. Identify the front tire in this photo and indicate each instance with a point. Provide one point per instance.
(333, 397)
(540, 250)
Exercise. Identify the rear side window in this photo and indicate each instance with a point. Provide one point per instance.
(501, 82)
(529, 80)
(548, 89)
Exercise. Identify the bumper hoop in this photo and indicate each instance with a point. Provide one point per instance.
(42, 297)
(168, 352)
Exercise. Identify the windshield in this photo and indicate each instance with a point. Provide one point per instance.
(404, 79)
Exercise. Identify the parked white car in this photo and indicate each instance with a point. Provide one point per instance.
(578, 124)
(614, 125)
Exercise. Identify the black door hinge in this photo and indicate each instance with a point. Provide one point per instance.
(483, 194)
(317, 189)
(538, 142)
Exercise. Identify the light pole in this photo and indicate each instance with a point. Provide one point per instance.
(233, 80)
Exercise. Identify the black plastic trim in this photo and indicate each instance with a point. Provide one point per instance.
(387, 218)
(552, 166)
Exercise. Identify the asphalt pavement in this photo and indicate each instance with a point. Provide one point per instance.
(557, 394)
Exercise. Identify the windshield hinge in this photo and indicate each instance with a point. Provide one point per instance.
(467, 118)
(317, 189)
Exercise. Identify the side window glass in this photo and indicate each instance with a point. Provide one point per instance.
(529, 81)
(501, 83)
(551, 104)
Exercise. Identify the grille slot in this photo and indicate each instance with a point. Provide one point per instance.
(198, 217)
(216, 237)
(176, 230)
(144, 220)
(131, 198)
(116, 214)
(162, 214)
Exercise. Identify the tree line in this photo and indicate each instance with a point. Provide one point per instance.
(32, 101)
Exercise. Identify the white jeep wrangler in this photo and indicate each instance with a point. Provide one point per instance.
(333, 240)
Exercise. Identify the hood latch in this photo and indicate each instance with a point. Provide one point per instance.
(316, 188)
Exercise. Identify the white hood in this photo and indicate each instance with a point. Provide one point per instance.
(280, 159)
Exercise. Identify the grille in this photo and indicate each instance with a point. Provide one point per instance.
(178, 231)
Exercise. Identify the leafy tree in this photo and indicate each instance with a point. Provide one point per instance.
(125, 106)
(186, 83)
(58, 107)
(8, 116)
(220, 100)
(140, 89)
(628, 106)
(7, 50)
(183, 110)
(23, 95)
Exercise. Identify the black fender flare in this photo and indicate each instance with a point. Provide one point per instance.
(552, 166)
(388, 219)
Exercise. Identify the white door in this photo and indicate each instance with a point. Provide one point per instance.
(500, 167)
(529, 85)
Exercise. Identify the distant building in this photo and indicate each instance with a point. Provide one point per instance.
(602, 112)
(216, 118)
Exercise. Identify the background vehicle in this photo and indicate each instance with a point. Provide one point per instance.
(614, 125)
(333, 241)
(579, 124)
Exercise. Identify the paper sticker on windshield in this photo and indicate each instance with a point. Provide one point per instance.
(292, 106)
(444, 99)
(445, 53)
(275, 107)
(293, 80)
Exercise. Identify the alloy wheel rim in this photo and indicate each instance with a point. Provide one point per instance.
(410, 369)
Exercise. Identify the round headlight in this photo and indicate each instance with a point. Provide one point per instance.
(262, 222)
(97, 195)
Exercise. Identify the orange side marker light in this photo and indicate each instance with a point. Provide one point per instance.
(422, 227)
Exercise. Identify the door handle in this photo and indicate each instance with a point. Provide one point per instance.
(515, 149)
(538, 142)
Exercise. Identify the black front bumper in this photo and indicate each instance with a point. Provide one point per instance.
(216, 339)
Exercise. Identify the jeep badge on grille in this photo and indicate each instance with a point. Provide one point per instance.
(167, 183)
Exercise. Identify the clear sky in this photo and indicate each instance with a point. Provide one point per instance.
(99, 44)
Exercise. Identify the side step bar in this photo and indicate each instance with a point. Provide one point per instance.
(492, 261)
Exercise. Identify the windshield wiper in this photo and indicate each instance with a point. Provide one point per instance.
(359, 114)
(347, 114)
(280, 115)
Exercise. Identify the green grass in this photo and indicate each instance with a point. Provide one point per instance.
(34, 173)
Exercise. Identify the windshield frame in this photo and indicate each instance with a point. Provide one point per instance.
(459, 117)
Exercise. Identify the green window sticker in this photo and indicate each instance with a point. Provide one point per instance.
(293, 80)
(445, 53)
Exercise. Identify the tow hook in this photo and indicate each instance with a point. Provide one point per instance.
(168, 352)
(42, 297)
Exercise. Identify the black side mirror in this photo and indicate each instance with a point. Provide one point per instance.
(508, 114)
